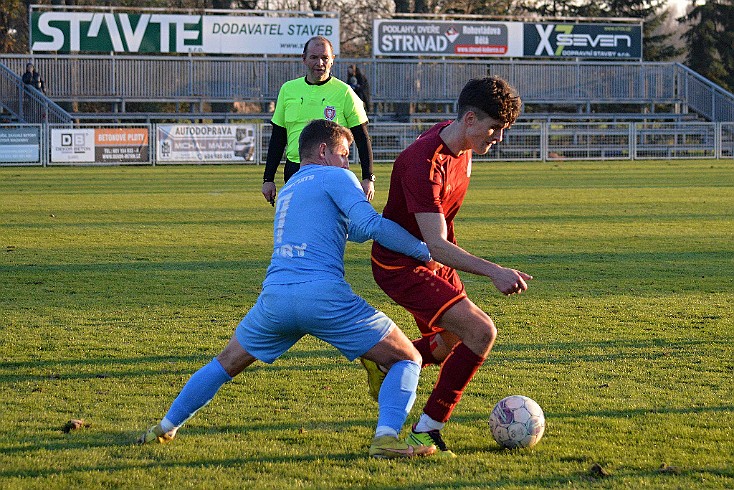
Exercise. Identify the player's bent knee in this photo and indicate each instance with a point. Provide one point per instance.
(482, 333)
(394, 348)
(234, 358)
(408, 353)
(416, 358)
(488, 334)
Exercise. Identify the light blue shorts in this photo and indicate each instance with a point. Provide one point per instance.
(328, 310)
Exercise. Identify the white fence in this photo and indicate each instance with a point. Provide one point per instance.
(247, 143)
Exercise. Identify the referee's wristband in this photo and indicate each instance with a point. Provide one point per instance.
(265, 180)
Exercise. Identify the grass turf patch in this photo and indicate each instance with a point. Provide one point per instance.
(119, 282)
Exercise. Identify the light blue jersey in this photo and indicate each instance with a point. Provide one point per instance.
(304, 291)
(317, 209)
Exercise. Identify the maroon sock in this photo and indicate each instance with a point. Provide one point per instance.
(423, 345)
(456, 372)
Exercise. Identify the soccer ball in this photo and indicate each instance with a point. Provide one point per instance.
(517, 421)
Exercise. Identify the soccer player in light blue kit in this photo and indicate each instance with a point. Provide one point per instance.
(305, 292)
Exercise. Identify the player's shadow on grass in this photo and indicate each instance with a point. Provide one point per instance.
(89, 439)
(170, 464)
(14, 372)
(557, 352)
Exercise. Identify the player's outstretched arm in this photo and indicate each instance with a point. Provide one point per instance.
(434, 231)
(365, 223)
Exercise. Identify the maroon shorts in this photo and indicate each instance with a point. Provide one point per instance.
(424, 293)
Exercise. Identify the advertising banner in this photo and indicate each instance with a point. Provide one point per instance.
(265, 35)
(20, 145)
(234, 143)
(121, 145)
(446, 38)
(106, 32)
(72, 145)
(614, 41)
(100, 145)
(610, 41)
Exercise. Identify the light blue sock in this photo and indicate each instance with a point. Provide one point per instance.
(397, 394)
(197, 392)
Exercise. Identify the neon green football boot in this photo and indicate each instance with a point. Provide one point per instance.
(432, 439)
(388, 447)
(375, 377)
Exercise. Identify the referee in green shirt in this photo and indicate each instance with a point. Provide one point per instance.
(316, 96)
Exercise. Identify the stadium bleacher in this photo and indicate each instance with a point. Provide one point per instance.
(571, 109)
(193, 84)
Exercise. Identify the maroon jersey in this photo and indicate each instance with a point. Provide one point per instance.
(426, 178)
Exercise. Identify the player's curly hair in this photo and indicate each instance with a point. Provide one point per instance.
(493, 96)
(321, 131)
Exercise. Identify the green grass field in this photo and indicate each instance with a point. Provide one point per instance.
(117, 283)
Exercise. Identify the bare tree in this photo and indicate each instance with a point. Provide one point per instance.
(13, 27)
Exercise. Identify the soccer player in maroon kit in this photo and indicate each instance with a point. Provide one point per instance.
(427, 187)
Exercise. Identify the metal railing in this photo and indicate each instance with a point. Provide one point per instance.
(225, 79)
(26, 103)
(704, 96)
(200, 79)
(42, 144)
